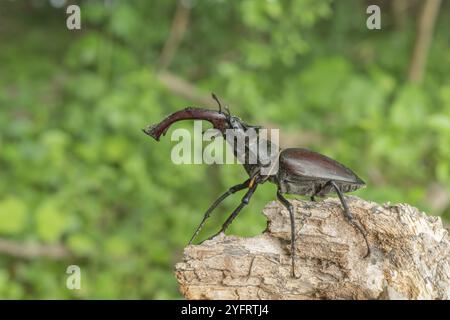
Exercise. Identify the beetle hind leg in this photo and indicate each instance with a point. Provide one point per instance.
(290, 208)
(350, 217)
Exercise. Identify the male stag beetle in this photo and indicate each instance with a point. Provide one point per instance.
(300, 171)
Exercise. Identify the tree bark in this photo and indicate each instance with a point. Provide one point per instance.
(410, 256)
(423, 40)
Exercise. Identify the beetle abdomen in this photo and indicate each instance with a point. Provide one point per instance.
(314, 187)
(306, 172)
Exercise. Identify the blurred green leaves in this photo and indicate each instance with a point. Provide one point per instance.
(76, 170)
(51, 221)
(13, 215)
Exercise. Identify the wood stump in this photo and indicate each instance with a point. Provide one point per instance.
(410, 256)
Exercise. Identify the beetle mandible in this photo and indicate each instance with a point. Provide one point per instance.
(300, 171)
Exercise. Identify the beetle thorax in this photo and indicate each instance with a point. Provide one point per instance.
(246, 145)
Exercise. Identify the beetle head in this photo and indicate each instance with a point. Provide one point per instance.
(234, 122)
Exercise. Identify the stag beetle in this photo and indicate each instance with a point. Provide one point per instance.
(300, 171)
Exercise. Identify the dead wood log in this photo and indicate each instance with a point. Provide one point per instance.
(410, 256)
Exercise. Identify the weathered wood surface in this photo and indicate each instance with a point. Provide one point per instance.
(410, 256)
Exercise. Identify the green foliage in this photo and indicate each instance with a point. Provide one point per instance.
(13, 215)
(76, 170)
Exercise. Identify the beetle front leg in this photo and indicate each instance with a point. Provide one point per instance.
(349, 216)
(245, 200)
(230, 191)
(290, 208)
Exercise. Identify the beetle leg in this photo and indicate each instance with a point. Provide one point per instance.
(349, 216)
(245, 200)
(290, 208)
(318, 189)
(230, 191)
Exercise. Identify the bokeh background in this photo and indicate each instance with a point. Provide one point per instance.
(81, 184)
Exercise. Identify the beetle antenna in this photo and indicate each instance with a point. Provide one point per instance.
(218, 101)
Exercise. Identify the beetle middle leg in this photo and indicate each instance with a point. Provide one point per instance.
(317, 189)
(230, 191)
(349, 216)
(245, 200)
(290, 208)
